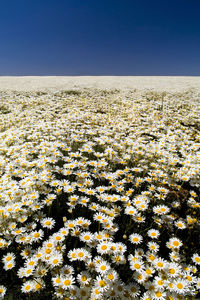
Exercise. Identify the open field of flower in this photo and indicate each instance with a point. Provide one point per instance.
(99, 195)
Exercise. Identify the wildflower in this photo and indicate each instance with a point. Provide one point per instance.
(48, 223)
(103, 267)
(56, 280)
(57, 237)
(159, 283)
(161, 209)
(72, 255)
(198, 284)
(86, 237)
(70, 224)
(160, 264)
(159, 295)
(101, 284)
(2, 291)
(28, 271)
(181, 286)
(149, 270)
(103, 247)
(180, 224)
(27, 287)
(120, 247)
(84, 278)
(67, 282)
(196, 259)
(8, 257)
(118, 259)
(174, 269)
(111, 275)
(55, 259)
(140, 277)
(8, 265)
(137, 265)
(130, 211)
(83, 254)
(38, 285)
(96, 293)
(153, 233)
(174, 256)
(37, 235)
(31, 262)
(175, 243)
(67, 270)
(135, 238)
(63, 231)
(153, 246)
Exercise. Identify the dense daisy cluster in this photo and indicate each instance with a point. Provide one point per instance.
(99, 196)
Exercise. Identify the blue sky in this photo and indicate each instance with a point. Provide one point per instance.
(106, 37)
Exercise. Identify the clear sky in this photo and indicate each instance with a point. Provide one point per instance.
(100, 37)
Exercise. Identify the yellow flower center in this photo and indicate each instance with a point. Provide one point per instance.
(160, 264)
(158, 294)
(104, 247)
(55, 261)
(137, 266)
(83, 278)
(110, 276)
(67, 282)
(197, 259)
(171, 271)
(175, 243)
(135, 239)
(102, 283)
(179, 286)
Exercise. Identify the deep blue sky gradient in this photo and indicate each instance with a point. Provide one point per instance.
(100, 37)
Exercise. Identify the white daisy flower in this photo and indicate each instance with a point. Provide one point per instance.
(8, 257)
(86, 237)
(3, 290)
(196, 258)
(67, 282)
(67, 270)
(111, 275)
(153, 233)
(9, 265)
(104, 247)
(180, 224)
(103, 267)
(56, 259)
(175, 243)
(101, 283)
(84, 278)
(130, 210)
(153, 247)
(159, 283)
(37, 235)
(137, 265)
(181, 286)
(56, 280)
(27, 287)
(158, 295)
(174, 269)
(160, 264)
(135, 238)
(48, 223)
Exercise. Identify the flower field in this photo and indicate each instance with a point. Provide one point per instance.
(99, 195)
